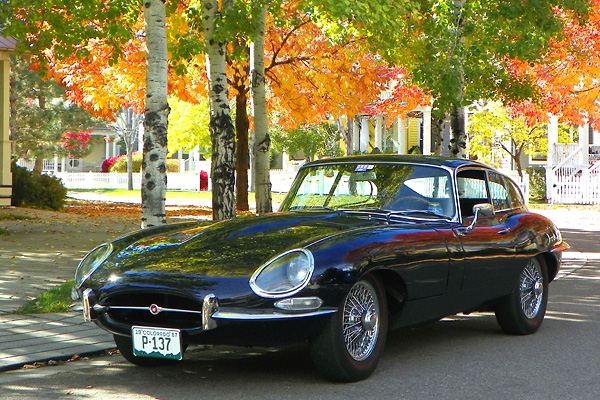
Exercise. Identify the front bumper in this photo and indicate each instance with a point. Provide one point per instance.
(231, 325)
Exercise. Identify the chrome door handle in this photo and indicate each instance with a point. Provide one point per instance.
(503, 231)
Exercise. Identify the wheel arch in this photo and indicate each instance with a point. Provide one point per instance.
(552, 265)
(395, 290)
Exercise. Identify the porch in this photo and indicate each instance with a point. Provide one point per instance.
(573, 169)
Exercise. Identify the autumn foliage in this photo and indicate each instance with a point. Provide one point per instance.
(97, 84)
(567, 76)
(402, 96)
(75, 142)
(312, 77)
(103, 82)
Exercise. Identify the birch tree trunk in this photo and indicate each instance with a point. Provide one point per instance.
(262, 141)
(437, 135)
(347, 135)
(154, 165)
(458, 143)
(221, 127)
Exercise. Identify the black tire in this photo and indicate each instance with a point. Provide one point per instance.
(125, 346)
(522, 312)
(363, 316)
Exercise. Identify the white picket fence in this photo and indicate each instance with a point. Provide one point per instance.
(113, 180)
(574, 186)
(280, 180)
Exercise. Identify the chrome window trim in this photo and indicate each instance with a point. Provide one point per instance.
(456, 218)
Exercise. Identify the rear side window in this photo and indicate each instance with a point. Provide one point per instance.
(515, 197)
(499, 195)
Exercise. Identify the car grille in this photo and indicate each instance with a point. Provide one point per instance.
(170, 311)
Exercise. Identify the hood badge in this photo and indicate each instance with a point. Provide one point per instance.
(154, 309)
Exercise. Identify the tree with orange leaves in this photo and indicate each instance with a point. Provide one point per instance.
(311, 78)
(568, 75)
(100, 85)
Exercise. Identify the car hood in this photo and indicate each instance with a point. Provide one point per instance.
(234, 248)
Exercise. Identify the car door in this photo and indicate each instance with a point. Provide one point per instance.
(489, 247)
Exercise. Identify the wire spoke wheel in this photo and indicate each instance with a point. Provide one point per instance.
(531, 289)
(349, 347)
(522, 311)
(361, 326)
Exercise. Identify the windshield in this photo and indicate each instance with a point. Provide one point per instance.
(402, 188)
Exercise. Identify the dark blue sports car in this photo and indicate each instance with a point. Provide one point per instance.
(360, 245)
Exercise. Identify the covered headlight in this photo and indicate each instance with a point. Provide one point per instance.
(91, 262)
(283, 275)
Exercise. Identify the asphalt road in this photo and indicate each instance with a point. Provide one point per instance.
(465, 357)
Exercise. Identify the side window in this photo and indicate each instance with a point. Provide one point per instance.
(498, 193)
(516, 198)
(472, 189)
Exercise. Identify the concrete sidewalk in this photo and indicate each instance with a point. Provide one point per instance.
(27, 339)
(34, 338)
(41, 252)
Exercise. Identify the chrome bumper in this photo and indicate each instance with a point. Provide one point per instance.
(210, 314)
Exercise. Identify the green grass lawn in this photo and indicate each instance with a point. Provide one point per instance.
(14, 217)
(57, 299)
(11, 217)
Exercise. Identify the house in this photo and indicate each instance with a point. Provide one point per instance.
(7, 46)
(573, 169)
(403, 136)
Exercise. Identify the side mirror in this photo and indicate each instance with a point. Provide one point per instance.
(479, 210)
(483, 209)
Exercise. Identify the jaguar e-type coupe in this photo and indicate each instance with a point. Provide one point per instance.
(360, 245)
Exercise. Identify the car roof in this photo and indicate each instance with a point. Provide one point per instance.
(403, 159)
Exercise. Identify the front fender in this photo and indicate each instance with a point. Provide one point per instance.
(417, 254)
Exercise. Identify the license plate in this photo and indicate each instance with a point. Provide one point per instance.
(156, 342)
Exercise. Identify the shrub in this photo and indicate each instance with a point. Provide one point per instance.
(37, 191)
(121, 164)
(172, 165)
(537, 182)
(106, 164)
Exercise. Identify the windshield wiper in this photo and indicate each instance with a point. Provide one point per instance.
(425, 212)
(366, 209)
(311, 208)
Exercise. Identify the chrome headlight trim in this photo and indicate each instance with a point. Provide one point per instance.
(285, 275)
(91, 262)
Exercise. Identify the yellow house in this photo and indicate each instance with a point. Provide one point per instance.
(410, 134)
(6, 47)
